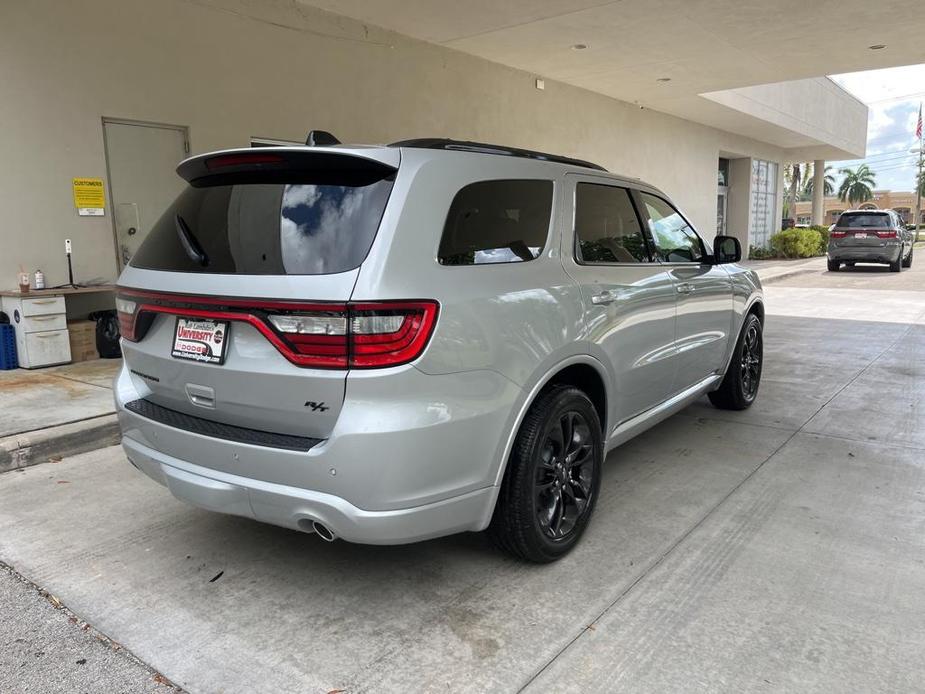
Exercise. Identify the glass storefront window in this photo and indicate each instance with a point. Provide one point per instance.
(763, 202)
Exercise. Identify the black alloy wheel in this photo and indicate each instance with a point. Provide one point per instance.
(739, 387)
(564, 481)
(552, 477)
(750, 369)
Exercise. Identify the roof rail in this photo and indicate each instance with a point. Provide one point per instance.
(483, 148)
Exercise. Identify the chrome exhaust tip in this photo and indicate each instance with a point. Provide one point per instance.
(323, 531)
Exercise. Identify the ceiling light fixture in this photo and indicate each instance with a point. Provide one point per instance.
(579, 46)
(663, 79)
(877, 46)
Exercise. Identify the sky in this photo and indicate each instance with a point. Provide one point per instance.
(893, 96)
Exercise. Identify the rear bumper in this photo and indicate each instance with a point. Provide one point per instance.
(296, 508)
(412, 456)
(870, 254)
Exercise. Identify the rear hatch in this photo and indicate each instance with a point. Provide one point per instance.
(235, 307)
(863, 230)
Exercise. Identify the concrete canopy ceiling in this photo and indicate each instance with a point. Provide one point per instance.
(701, 45)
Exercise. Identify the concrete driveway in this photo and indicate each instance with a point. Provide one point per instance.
(779, 549)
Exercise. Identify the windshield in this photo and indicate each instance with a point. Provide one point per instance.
(881, 221)
(267, 229)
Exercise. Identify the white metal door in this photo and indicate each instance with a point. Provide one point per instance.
(142, 160)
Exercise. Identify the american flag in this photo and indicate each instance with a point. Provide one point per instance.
(918, 128)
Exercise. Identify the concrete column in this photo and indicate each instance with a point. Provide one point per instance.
(818, 192)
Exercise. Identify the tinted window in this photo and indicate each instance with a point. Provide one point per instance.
(497, 222)
(607, 227)
(267, 229)
(675, 240)
(862, 219)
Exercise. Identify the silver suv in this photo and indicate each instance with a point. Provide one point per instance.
(392, 343)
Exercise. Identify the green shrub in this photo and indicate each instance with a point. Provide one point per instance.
(824, 235)
(759, 253)
(796, 243)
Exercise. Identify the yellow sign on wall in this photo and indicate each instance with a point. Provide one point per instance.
(88, 197)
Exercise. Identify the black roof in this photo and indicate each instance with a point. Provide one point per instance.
(483, 148)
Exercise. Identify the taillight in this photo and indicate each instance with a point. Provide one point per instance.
(389, 333)
(319, 338)
(246, 159)
(127, 311)
(886, 234)
(837, 234)
(361, 336)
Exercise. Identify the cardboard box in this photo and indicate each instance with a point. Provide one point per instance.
(82, 335)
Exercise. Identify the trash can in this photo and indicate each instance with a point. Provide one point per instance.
(7, 347)
(107, 334)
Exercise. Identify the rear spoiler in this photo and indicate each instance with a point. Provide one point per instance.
(289, 165)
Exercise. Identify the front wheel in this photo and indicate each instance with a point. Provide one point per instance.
(740, 384)
(552, 479)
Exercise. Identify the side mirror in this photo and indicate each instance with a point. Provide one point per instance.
(726, 249)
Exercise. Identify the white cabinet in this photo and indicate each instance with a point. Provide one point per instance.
(41, 329)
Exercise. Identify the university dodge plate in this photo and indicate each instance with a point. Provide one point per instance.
(200, 340)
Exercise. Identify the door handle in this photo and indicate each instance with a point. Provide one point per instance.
(608, 296)
(685, 288)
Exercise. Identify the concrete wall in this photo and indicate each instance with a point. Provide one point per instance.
(814, 110)
(232, 69)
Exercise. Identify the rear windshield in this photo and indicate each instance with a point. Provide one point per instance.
(864, 220)
(267, 228)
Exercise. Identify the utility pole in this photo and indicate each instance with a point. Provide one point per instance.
(919, 184)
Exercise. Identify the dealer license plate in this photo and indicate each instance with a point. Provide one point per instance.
(200, 340)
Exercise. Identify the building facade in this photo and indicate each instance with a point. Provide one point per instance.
(902, 202)
(118, 91)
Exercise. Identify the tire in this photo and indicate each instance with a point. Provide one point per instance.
(908, 260)
(743, 377)
(833, 265)
(545, 502)
(897, 266)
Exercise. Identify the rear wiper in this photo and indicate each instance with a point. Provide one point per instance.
(190, 243)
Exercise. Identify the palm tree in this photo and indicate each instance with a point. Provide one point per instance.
(793, 174)
(828, 188)
(857, 185)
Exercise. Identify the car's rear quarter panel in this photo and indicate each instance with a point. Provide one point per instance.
(514, 320)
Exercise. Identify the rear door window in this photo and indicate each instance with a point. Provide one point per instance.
(862, 219)
(504, 221)
(607, 228)
(267, 228)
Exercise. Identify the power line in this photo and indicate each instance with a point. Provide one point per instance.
(901, 97)
(896, 168)
(883, 156)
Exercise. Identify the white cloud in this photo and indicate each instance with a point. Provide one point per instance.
(893, 96)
